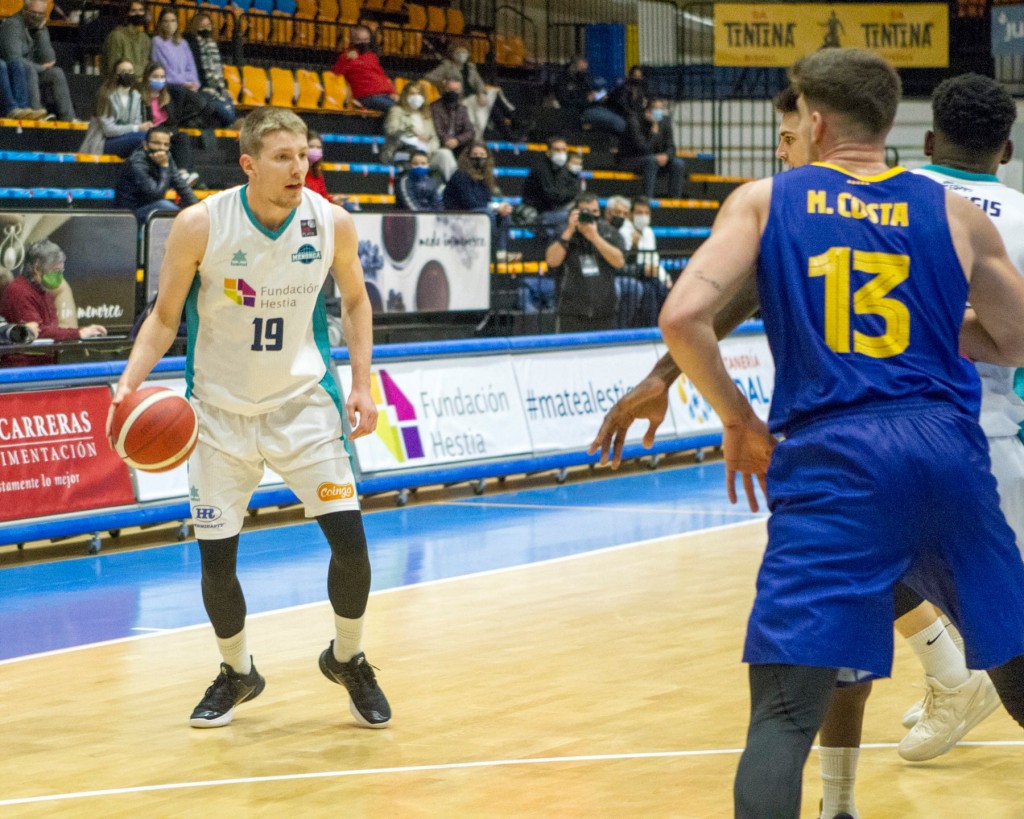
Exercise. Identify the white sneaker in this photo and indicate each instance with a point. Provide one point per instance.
(912, 714)
(947, 716)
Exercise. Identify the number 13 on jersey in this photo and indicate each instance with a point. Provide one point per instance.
(889, 269)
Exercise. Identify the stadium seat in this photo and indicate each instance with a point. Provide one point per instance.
(456, 22)
(393, 6)
(257, 25)
(306, 8)
(282, 87)
(417, 18)
(328, 36)
(282, 29)
(311, 89)
(286, 7)
(349, 12)
(437, 22)
(400, 83)
(266, 6)
(241, 5)
(373, 5)
(234, 80)
(305, 32)
(480, 47)
(335, 92)
(391, 39)
(255, 86)
(328, 11)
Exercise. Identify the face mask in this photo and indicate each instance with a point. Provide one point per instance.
(479, 162)
(314, 155)
(204, 32)
(575, 168)
(362, 48)
(157, 85)
(136, 19)
(616, 222)
(461, 57)
(415, 101)
(658, 114)
(52, 279)
(558, 158)
(642, 222)
(450, 97)
(419, 170)
(34, 20)
(126, 79)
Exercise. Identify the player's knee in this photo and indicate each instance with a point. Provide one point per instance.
(218, 560)
(345, 534)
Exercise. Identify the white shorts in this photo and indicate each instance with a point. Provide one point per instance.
(301, 441)
(1008, 466)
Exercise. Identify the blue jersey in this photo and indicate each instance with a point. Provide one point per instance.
(862, 294)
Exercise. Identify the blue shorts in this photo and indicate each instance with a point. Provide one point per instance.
(866, 498)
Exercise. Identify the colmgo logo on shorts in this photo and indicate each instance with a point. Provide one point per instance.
(334, 491)
(240, 292)
(307, 254)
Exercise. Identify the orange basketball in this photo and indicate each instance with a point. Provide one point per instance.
(154, 429)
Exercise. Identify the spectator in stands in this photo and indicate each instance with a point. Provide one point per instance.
(28, 299)
(480, 99)
(647, 147)
(630, 99)
(552, 188)
(117, 126)
(172, 52)
(472, 187)
(407, 129)
(415, 188)
(642, 241)
(128, 41)
(148, 175)
(628, 288)
(175, 107)
(582, 101)
(25, 43)
(206, 55)
(589, 254)
(370, 86)
(451, 118)
(14, 98)
(315, 175)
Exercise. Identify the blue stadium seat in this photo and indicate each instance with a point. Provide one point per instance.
(286, 6)
(263, 5)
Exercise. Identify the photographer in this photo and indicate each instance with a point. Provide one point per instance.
(590, 253)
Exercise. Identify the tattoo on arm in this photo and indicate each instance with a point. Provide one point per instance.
(712, 282)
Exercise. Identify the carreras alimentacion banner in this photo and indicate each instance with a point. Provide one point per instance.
(913, 35)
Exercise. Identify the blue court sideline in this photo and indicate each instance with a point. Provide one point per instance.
(89, 599)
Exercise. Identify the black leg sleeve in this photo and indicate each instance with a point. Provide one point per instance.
(222, 593)
(906, 599)
(1009, 682)
(348, 576)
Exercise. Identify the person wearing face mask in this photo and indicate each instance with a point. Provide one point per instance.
(408, 127)
(117, 125)
(315, 175)
(552, 187)
(473, 186)
(628, 287)
(210, 69)
(172, 52)
(630, 98)
(174, 107)
(582, 101)
(26, 49)
(647, 148)
(481, 100)
(415, 188)
(29, 299)
(451, 118)
(370, 86)
(128, 41)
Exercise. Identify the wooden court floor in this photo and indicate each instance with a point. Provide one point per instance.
(607, 684)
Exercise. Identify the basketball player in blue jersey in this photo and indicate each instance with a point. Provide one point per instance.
(863, 274)
(247, 266)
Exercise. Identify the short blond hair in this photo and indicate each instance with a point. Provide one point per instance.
(266, 120)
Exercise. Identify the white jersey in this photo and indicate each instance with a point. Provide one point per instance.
(257, 327)
(1002, 410)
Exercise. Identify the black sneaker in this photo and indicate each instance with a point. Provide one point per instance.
(365, 699)
(217, 706)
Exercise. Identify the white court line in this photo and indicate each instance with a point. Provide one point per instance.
(639, 509)
(446, 766)
(422, 584)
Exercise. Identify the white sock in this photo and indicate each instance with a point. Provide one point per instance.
(954, 633)
(939, 656)
(348, 639)
(235, 651)
(838, 776)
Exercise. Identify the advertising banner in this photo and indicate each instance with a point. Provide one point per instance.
(566, 394)
(749, 362)
(54, 455)
(911, 35)
(441, 412)
(153, 486)
(1007, 30)
(100, 268)
(425, 262)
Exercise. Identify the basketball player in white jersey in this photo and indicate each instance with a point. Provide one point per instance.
(247, 266)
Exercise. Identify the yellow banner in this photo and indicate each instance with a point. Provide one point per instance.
(914, 35)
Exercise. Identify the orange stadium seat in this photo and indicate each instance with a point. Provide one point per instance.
(306, 8)
(258, 26)
(282, 28)
(234, 80)
(304, 32)
(373, 5)
(349, 12)
(417, 18)
(400, 83)
(282, 87)
(335, 92)
(255, 86)
(390, 39)
(456, 22)
(328, 11)
(393, 5)
(310, 89)
(436, 19)
(328, 37)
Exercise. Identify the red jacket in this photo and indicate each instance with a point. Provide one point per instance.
(365, 76)
(23, 301)
(317, 184)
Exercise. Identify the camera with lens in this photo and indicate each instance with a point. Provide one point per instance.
(587, 218)
(15, 333)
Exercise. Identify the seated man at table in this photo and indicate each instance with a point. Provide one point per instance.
(29, 299)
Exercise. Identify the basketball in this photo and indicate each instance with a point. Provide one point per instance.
(154, 429)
